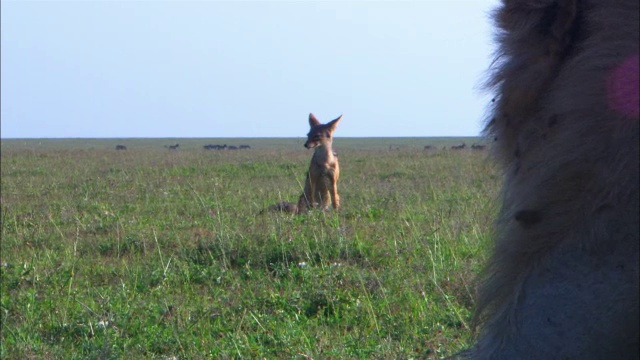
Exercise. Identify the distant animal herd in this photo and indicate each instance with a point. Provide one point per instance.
(206, 147)
(225, 147)
(242, 147)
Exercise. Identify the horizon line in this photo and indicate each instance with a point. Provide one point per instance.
(231, 137)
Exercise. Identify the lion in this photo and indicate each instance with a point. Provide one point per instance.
(562, 281)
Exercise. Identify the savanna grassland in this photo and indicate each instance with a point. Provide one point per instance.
(153, 253)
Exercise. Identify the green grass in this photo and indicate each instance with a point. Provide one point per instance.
(151, 253)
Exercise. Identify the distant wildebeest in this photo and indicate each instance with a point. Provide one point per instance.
(459, 147)
(232, 147)
(121, 147)
(428, 147)
(174, 147)
(563, 278)
(215, 147)
(477, 147)
(245, 147)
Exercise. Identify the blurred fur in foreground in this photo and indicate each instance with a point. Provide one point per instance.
(563, 278)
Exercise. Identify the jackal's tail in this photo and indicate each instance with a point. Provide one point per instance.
(284, 206)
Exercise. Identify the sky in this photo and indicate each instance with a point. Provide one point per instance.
(145, 68)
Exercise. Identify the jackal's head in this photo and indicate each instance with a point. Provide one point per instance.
(320, 134)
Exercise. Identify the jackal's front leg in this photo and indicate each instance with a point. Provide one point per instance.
(313, 201)
(335, 198)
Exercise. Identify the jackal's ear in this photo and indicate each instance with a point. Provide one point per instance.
(313, 121)
(332, 124)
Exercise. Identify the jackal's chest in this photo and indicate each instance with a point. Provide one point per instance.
(322, 173)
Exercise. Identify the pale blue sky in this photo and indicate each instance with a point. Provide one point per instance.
(243, 69)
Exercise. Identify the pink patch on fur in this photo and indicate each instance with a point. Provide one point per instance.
(622, 87)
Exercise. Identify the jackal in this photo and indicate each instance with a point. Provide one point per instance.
(321, 183)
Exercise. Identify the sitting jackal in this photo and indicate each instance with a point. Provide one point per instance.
(321, 183)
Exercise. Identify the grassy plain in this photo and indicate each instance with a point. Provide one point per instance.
(152, 253)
